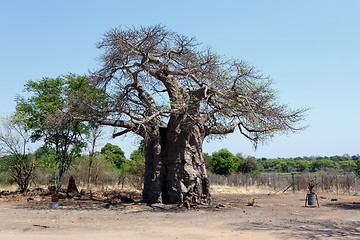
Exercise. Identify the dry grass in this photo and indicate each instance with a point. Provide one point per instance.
(10, 188)
(116, 188)
(215, 189)
(225, 189)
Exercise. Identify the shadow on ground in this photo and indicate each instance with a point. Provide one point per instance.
(290, 229)
(94, 204)
(344, 205)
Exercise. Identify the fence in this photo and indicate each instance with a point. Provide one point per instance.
(325, 181)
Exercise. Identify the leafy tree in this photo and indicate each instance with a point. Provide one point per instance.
(321, 164)
(14, 141)
(347, 165)
(302, 165)
(46, 158)
(47, 117)
(267, 165)
(357, 168)
(249, 165)
(114, 154)
(224, 162)
(280, 165)
(163, 87)
(337, 158)
(136, 166)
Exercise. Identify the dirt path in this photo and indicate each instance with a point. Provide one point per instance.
(272, 217)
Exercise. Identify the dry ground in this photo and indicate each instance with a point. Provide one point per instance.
(280, 216)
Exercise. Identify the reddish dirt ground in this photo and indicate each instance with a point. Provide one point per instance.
(281, 216)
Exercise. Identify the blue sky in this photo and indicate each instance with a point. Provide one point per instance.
(310, 47)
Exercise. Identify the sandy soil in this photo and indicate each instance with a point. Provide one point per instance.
(281, 216)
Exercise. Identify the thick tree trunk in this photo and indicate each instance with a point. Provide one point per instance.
(175, 170)
(153, 180)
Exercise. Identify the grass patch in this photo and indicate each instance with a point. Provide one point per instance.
(225, 189)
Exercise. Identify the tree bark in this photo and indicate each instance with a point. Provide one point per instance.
(175, 170)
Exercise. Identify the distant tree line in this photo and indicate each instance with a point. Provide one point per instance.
(310, 164)
(224, 162)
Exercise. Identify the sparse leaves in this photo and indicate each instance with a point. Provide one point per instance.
(145, 67)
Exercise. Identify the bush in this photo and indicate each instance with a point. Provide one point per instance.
(249, 165)
(224, 162)
(114, 154)
(102, 171)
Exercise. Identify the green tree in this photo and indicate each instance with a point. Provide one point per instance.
(47, 116)
(249, 165)
(114, 154)
(302, 165)
(136, 166)
(322, 164)
(280, 165)
(347, 165)
(267, 165)
(46, 158)
(224, 162)
(357, 168)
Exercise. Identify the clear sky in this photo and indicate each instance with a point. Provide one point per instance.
(311, 47)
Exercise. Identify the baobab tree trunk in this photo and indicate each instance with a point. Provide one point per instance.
(153, 179)
(175, 169)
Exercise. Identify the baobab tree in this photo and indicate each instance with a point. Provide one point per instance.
(165, 88)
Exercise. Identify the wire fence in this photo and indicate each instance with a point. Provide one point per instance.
(326, 181)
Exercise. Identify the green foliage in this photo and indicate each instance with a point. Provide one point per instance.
(302, 165)
(311, 164)
(46, 157)
(347, 166)
(249, 165)
(48, 119)
(319, 164)
(207, 160)
(357, 168)
(136, 166)
(224, 162)
(101, 169)
(114, 155)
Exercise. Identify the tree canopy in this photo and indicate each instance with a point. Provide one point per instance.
(224, 162)
(153, 74)
(46, 115)
(114, 154)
